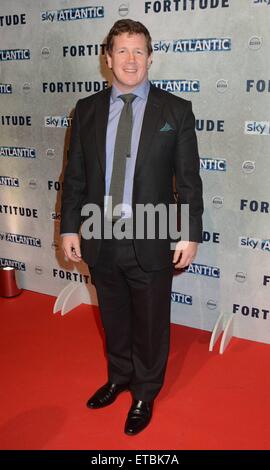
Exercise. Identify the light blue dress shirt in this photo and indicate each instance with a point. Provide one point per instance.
(138, 108)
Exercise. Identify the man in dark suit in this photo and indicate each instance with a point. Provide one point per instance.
(132, 275)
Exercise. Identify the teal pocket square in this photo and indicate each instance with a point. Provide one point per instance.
(167, 127)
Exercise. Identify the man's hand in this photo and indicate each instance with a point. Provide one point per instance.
(184, 254)
(71, 247)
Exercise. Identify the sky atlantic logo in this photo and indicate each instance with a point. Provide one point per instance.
(172, 6)
(20, 239)
(203, 270)
(254, 243)
(5, 88)
(18, 152)
(213, 164)
(13, 263)
(257, 128)
(14, 54)
(178, 86)
(192, 45)
(181, 298)
(57, 121)
(9, 181)
(71, 14)
(261, 2)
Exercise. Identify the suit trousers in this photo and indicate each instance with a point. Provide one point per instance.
(135, 313)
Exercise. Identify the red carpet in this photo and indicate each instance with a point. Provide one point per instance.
(50, 365)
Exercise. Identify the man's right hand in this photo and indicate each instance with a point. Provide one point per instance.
(71, 247)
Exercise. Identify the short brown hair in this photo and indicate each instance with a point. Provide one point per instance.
(131, 27)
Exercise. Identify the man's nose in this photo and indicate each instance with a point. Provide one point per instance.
(131, 57)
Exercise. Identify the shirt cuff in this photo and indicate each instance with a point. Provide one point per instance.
(63, 234)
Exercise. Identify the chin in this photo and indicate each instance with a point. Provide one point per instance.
(131, 78)
(129, 84)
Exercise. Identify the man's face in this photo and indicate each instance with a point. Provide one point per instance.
(129, 61)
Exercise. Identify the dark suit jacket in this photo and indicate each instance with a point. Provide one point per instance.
(161, 154)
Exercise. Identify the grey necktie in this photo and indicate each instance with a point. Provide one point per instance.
(121, 152)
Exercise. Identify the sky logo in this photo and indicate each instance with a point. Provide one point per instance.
(174, 86)
(70, 14)
(193, 45)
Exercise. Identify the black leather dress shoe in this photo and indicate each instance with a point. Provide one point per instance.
(139, 416)
(106, 395)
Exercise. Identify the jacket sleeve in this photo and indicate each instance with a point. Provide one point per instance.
(74, 183)
(187, 174)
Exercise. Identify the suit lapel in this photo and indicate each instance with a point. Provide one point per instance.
(150, 120)
(101, 121)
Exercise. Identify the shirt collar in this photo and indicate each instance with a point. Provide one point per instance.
(141, 90)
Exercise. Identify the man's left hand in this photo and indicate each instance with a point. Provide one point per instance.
(184, 254)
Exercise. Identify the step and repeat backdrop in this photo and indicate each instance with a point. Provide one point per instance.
(212, 52)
